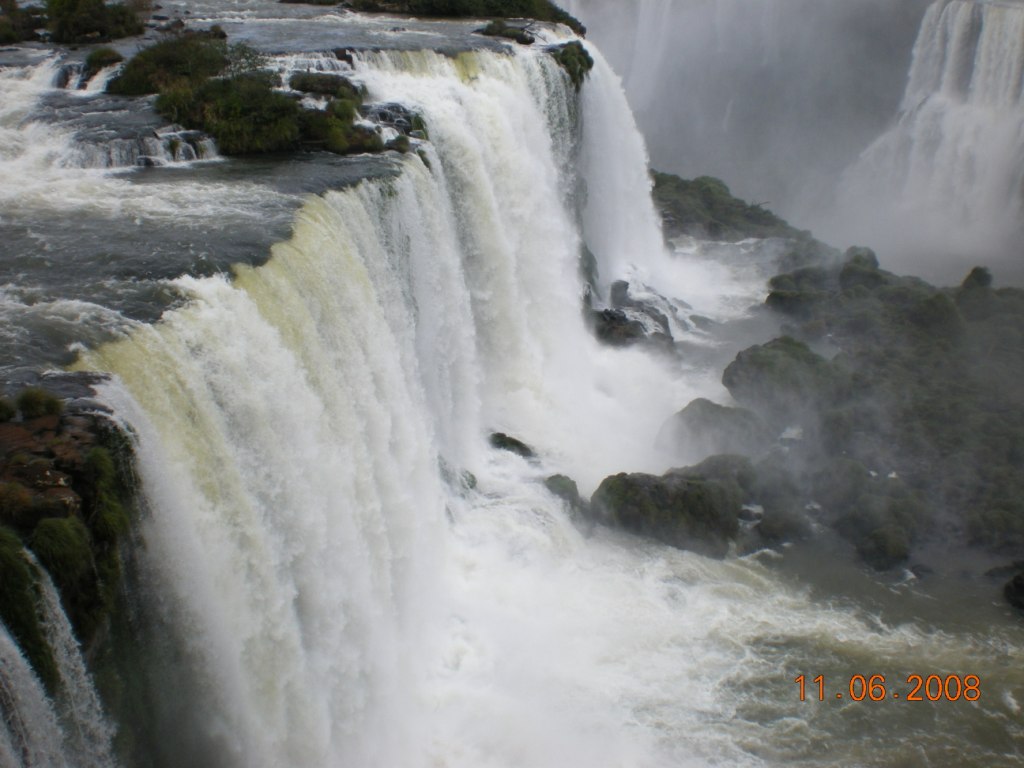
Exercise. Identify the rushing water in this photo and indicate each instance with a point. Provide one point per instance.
(337, 589)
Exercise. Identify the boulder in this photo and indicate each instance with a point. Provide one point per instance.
(783, 379)
(565, 488)
(692, 513)
(1013, 591)
(507, 443)
(706, 428)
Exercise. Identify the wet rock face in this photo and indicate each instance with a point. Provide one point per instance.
(693, 513)
(65, 485)
(707, 428)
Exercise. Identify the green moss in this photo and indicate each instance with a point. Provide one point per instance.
(324, 84)
(18, 600)
(7, 409)
(243, 113)
(688, 512)
(705, 207)
(99, 59)
(107, 519)
(499, 28)
(63, 548)
(574, 59)
(34, 402)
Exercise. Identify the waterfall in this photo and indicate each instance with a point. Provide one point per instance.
(87, 734)
(775, 97)
(31, 737)
(947, 177)
(293, 420)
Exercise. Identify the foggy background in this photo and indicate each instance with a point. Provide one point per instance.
(780, 98)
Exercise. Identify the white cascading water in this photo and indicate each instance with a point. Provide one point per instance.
(31, 736)
(87, 734)
(776, 97)
(948, 175)
(292, 423)
(342, 591)
(69, 731)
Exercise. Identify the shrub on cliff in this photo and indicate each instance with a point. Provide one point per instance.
(704, 207)
(574, 59)
(99, 59)
(34, 402)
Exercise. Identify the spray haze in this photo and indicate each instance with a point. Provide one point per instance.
(896, 125)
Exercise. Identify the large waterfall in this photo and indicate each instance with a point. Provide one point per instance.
(946, 180)
(334, 566)
(775, 97)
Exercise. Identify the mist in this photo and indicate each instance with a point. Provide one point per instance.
(822, 111)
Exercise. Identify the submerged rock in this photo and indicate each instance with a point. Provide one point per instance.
(507, 443)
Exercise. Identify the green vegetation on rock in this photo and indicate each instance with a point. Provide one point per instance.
(917, 424)
(180, 62)
(100, 58)
(574, 59)
(224, 90)
(688, 512)
(7, 409)
(704, 207)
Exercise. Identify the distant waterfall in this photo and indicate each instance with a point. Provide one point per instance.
(775, 97)
(948, 177)
(305, 429)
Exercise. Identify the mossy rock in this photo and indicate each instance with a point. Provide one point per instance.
(575, 60)
(690, 513)
(324, 84)
(34, 402)
(704, 207)
(8, 410)
(100, 58)
(716, 429)
(498, 28)
(565, 488)
(243, 113)
(189, 59)
(783, 378)
(64, 549)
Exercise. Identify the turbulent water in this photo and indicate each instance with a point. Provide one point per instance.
(342, 571)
